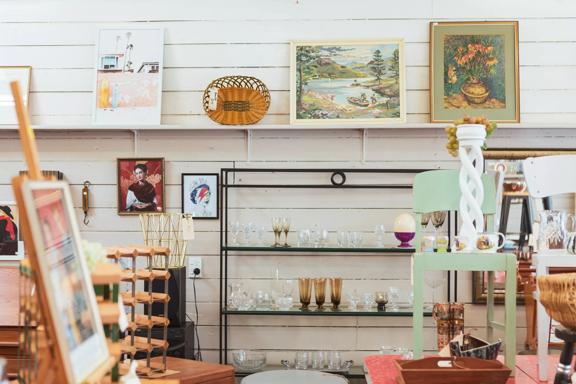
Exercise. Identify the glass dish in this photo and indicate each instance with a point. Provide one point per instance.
(248, 361)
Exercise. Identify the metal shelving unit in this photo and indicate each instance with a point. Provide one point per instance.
(230, 181)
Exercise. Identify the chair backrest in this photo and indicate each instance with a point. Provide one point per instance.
(440, 191)
(550, 175)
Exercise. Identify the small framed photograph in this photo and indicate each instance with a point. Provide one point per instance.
(11, 244)
(200, 195)
(140, 185)
(63, 276)
(8, 74)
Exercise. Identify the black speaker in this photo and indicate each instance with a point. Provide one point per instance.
(177, 293)
(180, 341)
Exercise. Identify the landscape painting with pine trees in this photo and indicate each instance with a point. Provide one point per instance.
(348, 82)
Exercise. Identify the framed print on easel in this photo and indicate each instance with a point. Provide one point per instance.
(64, 278)
(474, 70)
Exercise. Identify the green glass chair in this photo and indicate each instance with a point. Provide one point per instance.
(440, 191)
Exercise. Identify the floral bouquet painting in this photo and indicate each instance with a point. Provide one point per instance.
(474, 75)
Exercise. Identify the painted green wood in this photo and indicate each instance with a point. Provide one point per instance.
(425, 261)
(440, 191)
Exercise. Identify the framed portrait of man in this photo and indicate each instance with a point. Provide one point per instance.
(11, 244)
(140, 185)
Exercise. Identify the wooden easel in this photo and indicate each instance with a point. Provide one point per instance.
(50, 367)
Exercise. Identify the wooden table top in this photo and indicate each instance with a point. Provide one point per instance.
(197, 372)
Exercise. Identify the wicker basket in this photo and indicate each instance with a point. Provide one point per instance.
(558, 296)
(242, 100)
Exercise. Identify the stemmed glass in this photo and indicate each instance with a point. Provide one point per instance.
(434, 280)
(438, 219)
(249, 229)
(235, 231)
(285, 226)
(277, 228)
(424, 220)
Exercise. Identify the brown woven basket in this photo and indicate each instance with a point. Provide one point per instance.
(242, 100)
(558, 296)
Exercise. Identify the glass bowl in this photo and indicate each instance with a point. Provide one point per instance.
(248, 361)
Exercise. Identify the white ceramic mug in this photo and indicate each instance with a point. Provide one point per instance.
(488, 242)
(461, 244)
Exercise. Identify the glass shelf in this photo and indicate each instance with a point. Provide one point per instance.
(326, 311)
(245, 248)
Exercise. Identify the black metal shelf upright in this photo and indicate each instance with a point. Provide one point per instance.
(228, 177)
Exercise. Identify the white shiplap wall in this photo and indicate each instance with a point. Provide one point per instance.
(205, 40)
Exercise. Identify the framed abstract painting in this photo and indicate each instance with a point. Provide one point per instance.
(474, 70)
(140, 185)
(200, 195)
(347, 82)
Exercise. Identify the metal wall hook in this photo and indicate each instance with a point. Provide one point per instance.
(86, 201)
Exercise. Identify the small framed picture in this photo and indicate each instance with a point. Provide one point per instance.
(200, 195)
(140, 185)
(11, 244)
(64, 278)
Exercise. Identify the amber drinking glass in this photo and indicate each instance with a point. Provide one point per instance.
(320, 291)
(305, 287)
(335, 291)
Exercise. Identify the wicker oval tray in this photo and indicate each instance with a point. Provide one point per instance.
(241, 100)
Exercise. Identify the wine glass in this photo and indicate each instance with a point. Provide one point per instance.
(235, 231)
(248, 231)
(285, 226)
(434, 280)
(380, 231)
(277, 228)
(438, 218)
(425, 220)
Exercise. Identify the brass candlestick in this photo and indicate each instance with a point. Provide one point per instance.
(320, 291)
(305, 287)
(335, 291)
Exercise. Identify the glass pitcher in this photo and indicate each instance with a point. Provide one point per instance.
(554, 229)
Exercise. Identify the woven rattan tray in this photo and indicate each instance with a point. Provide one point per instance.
(240, 100)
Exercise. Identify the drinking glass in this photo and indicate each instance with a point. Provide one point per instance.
(342, 239)
(354, 239)
(368, 300)
(286, 229)
(315, 236)
(318, 359)
(320, 291)
(353, 300)
(424, 220)
(335, 291)
(304, 238)
(277, 228)
(235, 231)
(261, 234)
(323, 237)
(248, 231)
(305, 287)
(302, 360)
(287, 287)
(434, 280)
(380, 232)
(438, 218)
(394, 297)
(334, 360)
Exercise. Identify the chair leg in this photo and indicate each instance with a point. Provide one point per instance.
(564, 368)
(543, 329)
(418, 314)
(490, 307)
(510, 309)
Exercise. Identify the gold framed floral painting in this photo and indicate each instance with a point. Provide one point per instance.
(474, 70)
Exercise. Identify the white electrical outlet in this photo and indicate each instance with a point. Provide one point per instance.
(193, 263)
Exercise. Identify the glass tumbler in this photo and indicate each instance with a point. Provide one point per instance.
(318, 359)
(334, 360)
(302, 360)
(305, 287)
